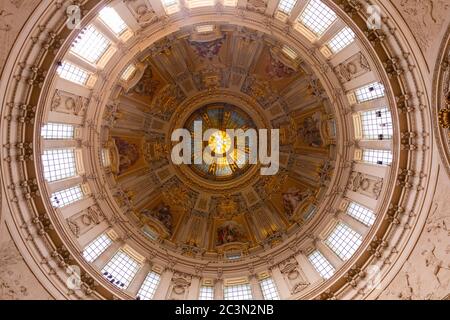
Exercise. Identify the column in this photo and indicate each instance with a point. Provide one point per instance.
(126, 15)
(63, 184)
(166, 279)
(366, 201)
(298, 8)
(54, 116)
(271, 7)
(194, 289)
(57, 144)
(282, 287)
(76, 207)
(378, 171)
(307, 268)
(335, 27)
(329, 254)
(353, 223)
(256, 288)
(375, 144)
(136, 284)
(93, 233)
(218, 289)
(107, 255)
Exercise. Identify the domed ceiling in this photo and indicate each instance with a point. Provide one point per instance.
(232, 78)
(353, 182)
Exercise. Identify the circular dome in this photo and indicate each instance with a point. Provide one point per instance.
(218, 204)
(87, 164)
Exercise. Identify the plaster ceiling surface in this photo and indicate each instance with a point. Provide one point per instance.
(215, 210)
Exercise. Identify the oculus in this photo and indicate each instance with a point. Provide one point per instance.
(221, 142)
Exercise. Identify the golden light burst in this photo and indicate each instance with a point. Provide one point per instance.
(220, 142)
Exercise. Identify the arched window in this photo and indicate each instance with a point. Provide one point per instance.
(317, 17)
(286, 6)
(149, 286)
(57, 131)
(321, 264)
(97, 247)
(360, 213)
(111, 18)
(269, 289)
(129, 72)
(380, 157)
(65, 197)
(377, 124)
(238, 292)
(341, 40)
(206, 293)
(171, 6)
(344, 241)
(121, 269)
(73, 73)
(90, 45)
(370, 92)
(59, 164)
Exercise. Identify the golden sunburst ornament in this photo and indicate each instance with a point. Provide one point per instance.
(220, 142)
(229, 163)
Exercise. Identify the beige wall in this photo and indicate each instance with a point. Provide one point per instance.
(16, 279)
(426, 273)
(13, 15)
(17, 282)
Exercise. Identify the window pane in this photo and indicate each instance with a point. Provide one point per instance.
(317, 17)
(286, 6)
(377, 124)
(370, 92)
(110, 17)
(269, 289)
(381, 157)
(72, 73)
(121, 269)
(238, 292)
(199, 3)
(97, 247)
(321, 264)
(149, 286)
(129, 71)
(65, 197)
(344, 241)
(206, 293)
(169, 3)
(230, 3)
(57, 131)
(341, 40)
(361, 213)
(58, 164)
(171, 6)
(90, 44)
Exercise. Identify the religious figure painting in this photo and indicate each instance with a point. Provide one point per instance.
(309, 131)
(292, 199)
(229, 232)
(147, 86)
(277, 69)
(128, 154)
(209, 49)
(163, 214)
